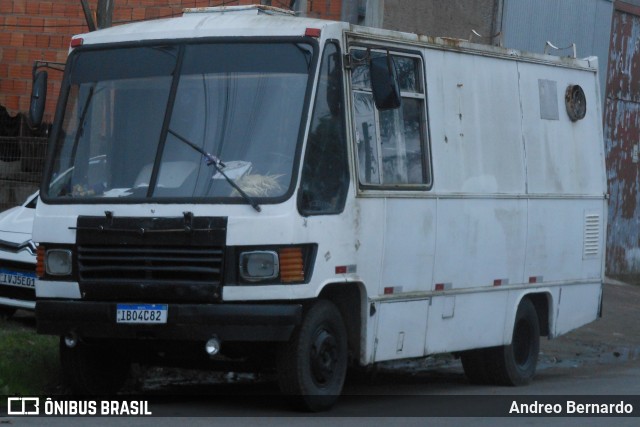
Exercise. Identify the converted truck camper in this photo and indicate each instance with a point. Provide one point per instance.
(242, 185)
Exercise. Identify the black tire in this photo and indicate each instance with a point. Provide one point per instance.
(515, 364)
(312, 366)
(92, 369)
(474, 365)
(6, 312)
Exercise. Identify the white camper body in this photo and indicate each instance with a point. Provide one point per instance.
(478, 193)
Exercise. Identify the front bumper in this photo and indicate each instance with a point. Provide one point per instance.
(17, 303)
(189, 322)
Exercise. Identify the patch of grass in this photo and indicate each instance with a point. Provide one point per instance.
(29, 363)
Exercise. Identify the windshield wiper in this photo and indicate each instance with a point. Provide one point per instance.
(219, 166)
(83, 116)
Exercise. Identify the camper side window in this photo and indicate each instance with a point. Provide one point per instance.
(391, 144)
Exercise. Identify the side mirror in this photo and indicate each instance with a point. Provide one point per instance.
(384, 83)
(38, 98)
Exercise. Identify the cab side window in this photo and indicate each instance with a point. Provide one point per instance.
(391, 144)
(325, 173)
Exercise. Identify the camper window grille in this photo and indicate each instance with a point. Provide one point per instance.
(391, 142)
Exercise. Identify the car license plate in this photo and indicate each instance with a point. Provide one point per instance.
(141, 313)
(18, 278)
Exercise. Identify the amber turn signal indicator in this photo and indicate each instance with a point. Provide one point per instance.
(291, 265)
(40, 261)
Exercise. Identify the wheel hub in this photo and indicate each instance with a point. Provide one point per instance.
(324, 357)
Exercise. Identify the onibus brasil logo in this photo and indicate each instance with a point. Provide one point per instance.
(34, 406)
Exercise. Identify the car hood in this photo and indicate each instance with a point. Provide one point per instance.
(16, 224)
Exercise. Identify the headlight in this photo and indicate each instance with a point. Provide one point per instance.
(259, 265)
(272, 265)
(58, 262)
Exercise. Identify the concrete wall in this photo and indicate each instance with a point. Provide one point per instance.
(451, 18)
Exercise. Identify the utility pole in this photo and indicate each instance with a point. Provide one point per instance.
(374, 13)
(87, 15)
(299, 6)
(350, 11)
(104, 13)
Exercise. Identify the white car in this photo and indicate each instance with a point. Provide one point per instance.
(17, 258)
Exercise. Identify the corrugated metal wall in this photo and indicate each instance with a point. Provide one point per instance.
(622, 140)
(529, 24)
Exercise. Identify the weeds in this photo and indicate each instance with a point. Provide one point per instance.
(29, 363)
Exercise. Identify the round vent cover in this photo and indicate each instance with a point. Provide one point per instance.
(576, 102)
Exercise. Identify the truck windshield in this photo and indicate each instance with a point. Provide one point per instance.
(145, 122)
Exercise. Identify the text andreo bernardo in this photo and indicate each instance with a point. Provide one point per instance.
(570, 408)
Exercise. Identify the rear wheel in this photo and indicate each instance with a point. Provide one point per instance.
(93, 369)
(473, 362)
(312, 365)
(513, 364)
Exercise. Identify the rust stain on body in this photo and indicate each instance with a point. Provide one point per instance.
(622, 134)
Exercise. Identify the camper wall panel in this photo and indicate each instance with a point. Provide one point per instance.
(480, 241)
(402, 328)
(475, 322)
(556, 240)
(369, 227)
(409, 244)
(563, 157)
(578, 306)
(475, 123)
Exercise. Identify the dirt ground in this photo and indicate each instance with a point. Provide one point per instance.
(615, 337)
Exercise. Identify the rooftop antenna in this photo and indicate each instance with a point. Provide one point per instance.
(550, 45)
(477, 34)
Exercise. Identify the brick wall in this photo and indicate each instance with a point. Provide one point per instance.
(323, 9)
(40, 30)
(33, 30)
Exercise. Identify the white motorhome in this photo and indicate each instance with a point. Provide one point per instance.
(308, 194)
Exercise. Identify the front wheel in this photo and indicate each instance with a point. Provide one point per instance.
(312, 366)
(93, 369)
(6, 312)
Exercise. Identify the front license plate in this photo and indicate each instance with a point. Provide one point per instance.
(142, 313)
(17, 278)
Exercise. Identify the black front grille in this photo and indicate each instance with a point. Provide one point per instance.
(200, 265)
(151, 259)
